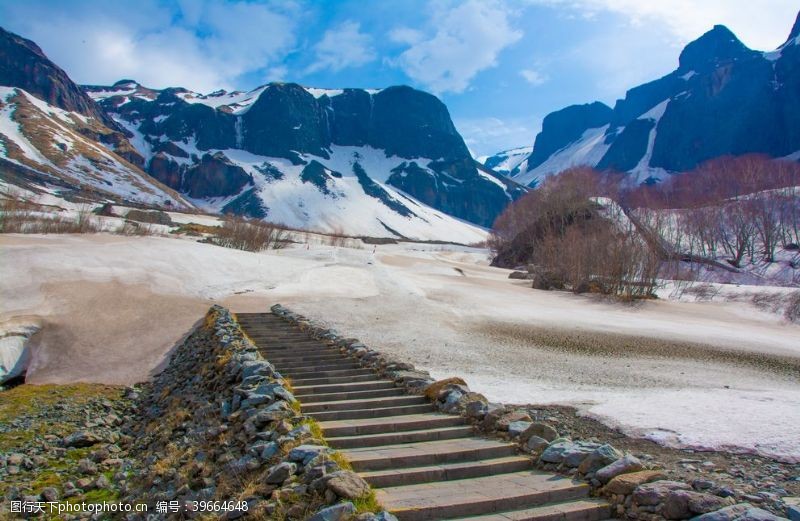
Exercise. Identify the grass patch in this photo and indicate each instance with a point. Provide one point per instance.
(28, 399)
(368, 503)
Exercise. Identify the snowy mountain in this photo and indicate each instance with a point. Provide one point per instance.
(52, 134)
(723, 99)
(385, 163)
(508, 162)
(367, 162)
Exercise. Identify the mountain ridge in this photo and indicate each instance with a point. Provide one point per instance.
(723, 99)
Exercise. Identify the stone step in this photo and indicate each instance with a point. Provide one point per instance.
(326, 389)
(326, 366)
(321, 356)
(334, 380)
(446, 471)
(478, 496)
(394, 438)
(427, 453)
(351, 395)
(371, 403)
(367, 426)
(330, 373)
(289, 346)
(578, 510)
(372, 413)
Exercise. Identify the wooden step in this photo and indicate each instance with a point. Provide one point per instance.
(446, 471)
(328, 365)
(478, 496)
(394, 438)
(372, 413)
(410, 422)
(370, 403)
(427, 453)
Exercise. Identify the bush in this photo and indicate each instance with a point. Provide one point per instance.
(251, 235)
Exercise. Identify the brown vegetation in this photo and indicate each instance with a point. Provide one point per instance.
(250, 235)
(574, 241)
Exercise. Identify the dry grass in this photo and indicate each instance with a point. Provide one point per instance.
(251, 235)
(18, 216)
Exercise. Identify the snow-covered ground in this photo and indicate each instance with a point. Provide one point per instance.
(706, 374)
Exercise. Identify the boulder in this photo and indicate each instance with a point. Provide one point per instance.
(625, 484)
(651, 494)
(739, 512)
(536, 444)
(347, 484)
(624, 465)
(517, 428)
(599, 458)
(510, 417)
(338, 512)
(433, 390)
(306, 453)
(279, 473)
(540, 429)
(82, 439)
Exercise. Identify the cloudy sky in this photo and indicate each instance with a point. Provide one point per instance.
(500, 65)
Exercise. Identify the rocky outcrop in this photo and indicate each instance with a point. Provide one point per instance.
(214, 176)
(24, 65)
(15, 352)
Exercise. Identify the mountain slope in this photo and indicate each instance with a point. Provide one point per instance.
(362, 162)
(723, 98)
(508, 162)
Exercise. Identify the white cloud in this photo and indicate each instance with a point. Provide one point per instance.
(534, 77)
(203, 45)
(463, 41)
(761, 25)
(487, 136)
(406, 35)
(341, 47)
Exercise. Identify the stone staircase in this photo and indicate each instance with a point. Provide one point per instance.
(422, 464)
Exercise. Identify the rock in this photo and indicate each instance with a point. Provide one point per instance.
(338, 512)
(540, 429)
(269, 450)
(306, 453)
(84, 483)
(536, 444)
(651, 494)
(433, 390)
(15, 458)
(102, 482)
(554, 453)
(624, 465)
(476, 409)
(49, 494)
(739, 512)
(599, 458)
(380, 516)
(82, 439)
(702, 503)
(793, 512)
(517, 428)
(578, 452)
(348, 485)
(279, 473)
(625, 484)
(520, 275)
(510, 417)
(86, 466)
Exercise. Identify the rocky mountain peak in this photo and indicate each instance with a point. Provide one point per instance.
(717, 46)
(795, 29)
(23, 64)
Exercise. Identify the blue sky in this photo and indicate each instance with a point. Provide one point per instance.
(499, 65)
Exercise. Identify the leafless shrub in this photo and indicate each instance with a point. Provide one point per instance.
(251, 235)
(703, 292)
(132, 228)
(792, 309)
(18, 215)
(337, 238)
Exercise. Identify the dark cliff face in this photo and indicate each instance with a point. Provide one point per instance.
(723, 99)
(286, 120)
(24, 65)
(565, 126)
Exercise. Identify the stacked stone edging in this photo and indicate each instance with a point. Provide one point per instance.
(635, 489)
(220, 423)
